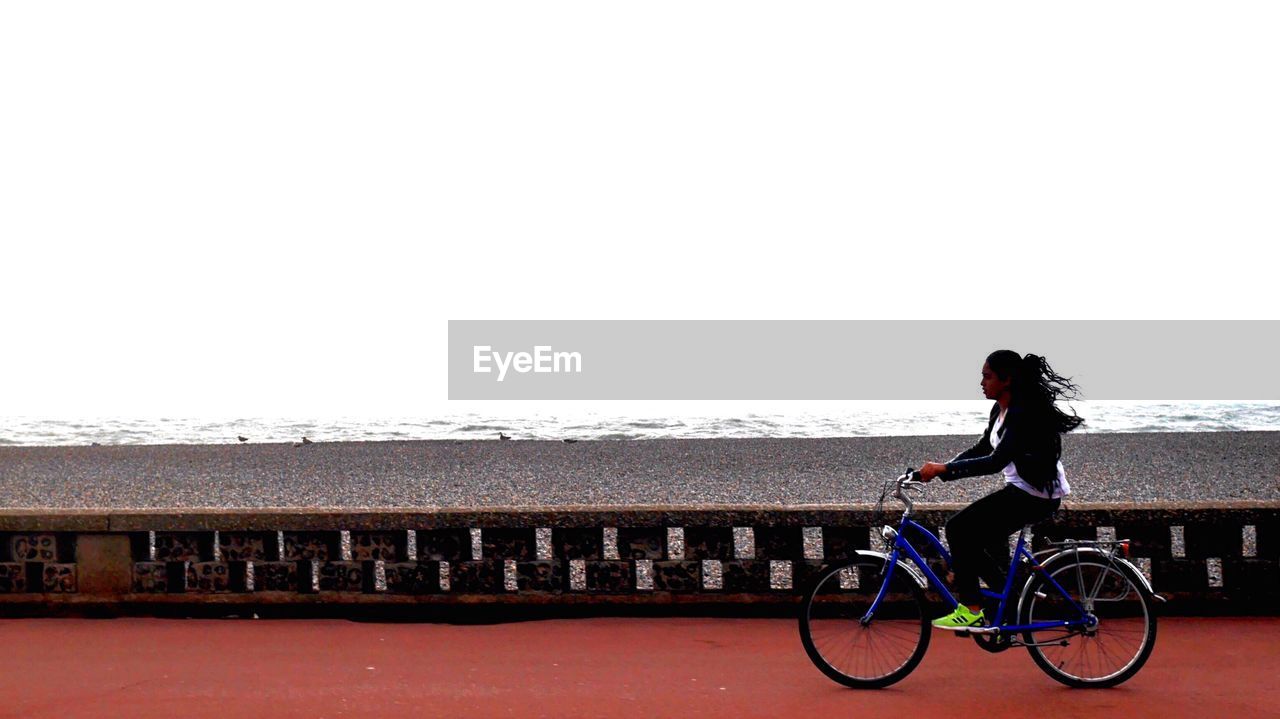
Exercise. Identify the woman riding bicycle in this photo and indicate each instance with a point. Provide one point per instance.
(1024, 441)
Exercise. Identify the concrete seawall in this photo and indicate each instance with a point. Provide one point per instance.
(1219, 557)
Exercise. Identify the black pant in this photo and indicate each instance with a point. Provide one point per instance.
(979, 537)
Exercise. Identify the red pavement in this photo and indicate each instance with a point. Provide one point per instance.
(138, 668)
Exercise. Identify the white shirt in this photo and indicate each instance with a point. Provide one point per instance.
(1011, 472)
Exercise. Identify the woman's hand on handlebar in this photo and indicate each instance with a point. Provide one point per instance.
(931, 470)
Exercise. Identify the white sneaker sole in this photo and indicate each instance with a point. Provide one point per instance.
(976, 629)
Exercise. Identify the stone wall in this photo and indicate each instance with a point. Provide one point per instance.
(1225, 555)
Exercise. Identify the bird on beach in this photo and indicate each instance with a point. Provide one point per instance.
(568, 441)
(307, 441)
(242, 438)
(502, 436)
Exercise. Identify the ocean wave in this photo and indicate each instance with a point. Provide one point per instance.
(890, 421)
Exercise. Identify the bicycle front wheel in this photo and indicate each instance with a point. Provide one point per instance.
(1121, 631)
(848, 643)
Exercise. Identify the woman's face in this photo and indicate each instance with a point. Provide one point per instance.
(992, 385)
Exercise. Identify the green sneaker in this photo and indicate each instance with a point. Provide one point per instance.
(961, 618)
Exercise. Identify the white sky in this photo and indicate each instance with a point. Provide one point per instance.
(273, 208)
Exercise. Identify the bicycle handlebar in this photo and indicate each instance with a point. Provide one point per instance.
(909, 479)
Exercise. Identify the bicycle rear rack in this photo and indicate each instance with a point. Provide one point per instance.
(1086, 542)
(1069, 544)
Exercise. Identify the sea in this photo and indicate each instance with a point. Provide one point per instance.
(633, 421)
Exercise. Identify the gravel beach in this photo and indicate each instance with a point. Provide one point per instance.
(1202, 466)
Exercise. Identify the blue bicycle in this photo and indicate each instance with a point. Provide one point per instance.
(1084, 612)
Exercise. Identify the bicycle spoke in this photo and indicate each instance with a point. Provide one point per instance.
(851, 651)
(1106, 652)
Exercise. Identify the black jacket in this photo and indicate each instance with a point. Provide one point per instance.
(1028, 439)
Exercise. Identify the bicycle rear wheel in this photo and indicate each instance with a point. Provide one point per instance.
(1115, 646)
(852, 648)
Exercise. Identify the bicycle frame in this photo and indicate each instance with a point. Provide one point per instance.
(902, 546)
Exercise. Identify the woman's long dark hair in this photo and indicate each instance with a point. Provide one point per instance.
(1036, 386)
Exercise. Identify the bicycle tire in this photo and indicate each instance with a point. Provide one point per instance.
(864, 655)
(1116, 648)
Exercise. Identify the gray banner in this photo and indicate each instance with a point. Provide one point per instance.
(853, 359)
